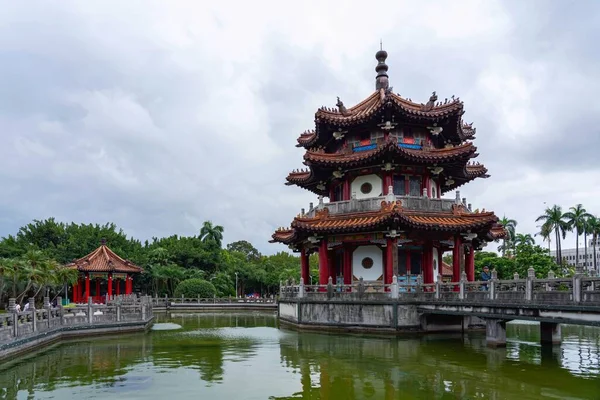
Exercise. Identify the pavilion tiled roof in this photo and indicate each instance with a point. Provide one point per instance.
(457, 220)
(103, 259)
(446, 269)
(380, 99)
(464, 152)
(306, 139)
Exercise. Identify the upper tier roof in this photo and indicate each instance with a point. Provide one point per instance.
(103, 259)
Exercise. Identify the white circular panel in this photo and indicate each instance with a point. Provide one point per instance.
(367, 186)
(367, 261)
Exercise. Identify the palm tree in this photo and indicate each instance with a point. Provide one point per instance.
(575, 219)
(593, 224)
(545, 232)
(208, 232)
(507, 242)
(524, 239)
(554, 221)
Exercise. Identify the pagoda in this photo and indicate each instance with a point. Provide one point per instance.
(111, 274)
(384, 164)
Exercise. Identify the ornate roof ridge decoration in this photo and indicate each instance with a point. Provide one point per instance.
(465, 149)
(103, 259)
(307, 138)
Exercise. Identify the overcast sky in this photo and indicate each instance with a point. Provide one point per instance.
(158, 115)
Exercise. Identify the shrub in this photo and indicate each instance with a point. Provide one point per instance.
(194, 288)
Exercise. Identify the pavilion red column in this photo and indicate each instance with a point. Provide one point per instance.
(128, 285)
(428, 263)
(346, 189)
(470, 263)
(387, 182)
(110, 284)
(87, 286)
(323, 263)
(456, 253)
(347, 265)
(118, 283)
(304, 267)
(428, 180)
(389, 260)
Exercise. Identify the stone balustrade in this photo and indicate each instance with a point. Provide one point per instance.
(579, 289)
(24, 324)
(422, 203)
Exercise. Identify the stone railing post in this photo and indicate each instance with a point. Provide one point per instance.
(118, 312)
(330, 287)
(438, 287)
(394, 287)
(33, 314)
(143, 305)
(461, 285)
(577, 287)
(529, 284)
(90, 311)
(301, 288)
(61, 312)
(15, 317)
(48, 308)
(548, 284)
(419, 287)
(361, 287)
(12, 302)
(516, 278)
(592, 286)
(492, 285)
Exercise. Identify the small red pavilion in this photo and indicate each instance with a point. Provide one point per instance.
(112, 275)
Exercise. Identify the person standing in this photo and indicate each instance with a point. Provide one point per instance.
(486, 276)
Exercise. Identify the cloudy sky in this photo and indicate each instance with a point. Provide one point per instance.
(159, 115)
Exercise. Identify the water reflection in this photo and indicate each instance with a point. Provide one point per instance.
(239, 355)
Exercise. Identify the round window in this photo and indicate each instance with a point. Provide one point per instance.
(367, 262)
(366, 188)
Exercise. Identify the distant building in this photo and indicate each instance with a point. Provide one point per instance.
(569, 255)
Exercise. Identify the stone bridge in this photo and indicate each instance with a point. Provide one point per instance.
(447, 306)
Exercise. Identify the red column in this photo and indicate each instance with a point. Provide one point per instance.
(346, 189)
(470, 263)
(110, 284)
(456, 258)
(428, 180)
(428, 263)
(304, 267)
(387, 182)
(331, 192)
(118, 283)
(87, 286)
(406, 185)
(347, 265)
(128, 284)
(389, 261)
(323, 263)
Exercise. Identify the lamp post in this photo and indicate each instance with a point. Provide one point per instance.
(236, 286)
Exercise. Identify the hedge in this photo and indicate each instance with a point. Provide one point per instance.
(195, 288)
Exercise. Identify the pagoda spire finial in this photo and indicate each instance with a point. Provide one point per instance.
(381, 82)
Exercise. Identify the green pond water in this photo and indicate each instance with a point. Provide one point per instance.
(247, 356)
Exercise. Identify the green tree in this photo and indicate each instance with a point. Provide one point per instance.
(554, 220)
(245, 247)
(521, 238)
(508, 241)
(210, 232)
(196, 288)
(593, 225)
(576, 221)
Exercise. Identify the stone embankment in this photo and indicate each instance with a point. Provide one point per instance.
(31, 329)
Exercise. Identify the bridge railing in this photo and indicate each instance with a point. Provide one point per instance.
(578, 289)
(17, 324)
(163, 301)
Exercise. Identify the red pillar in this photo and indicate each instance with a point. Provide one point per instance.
(428, 263)
(110, 284)
(456, 258)
(323, 263)
(128, 284)
(87, 286)
(347, 265)
(470, 263)
(304, 267)
(118, 283)
(428, 180)
(346, 189)
(389, 261)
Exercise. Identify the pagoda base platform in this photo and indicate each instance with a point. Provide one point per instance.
(369, 316)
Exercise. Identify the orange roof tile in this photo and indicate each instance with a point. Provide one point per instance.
(306, 139)
(103, 259)
(463, 151)
(446, 269)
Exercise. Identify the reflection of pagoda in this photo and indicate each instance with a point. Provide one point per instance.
(384, 164)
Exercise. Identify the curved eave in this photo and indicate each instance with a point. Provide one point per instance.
(462, 152)
(307, 139)
(285, 236)
(470, 173)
